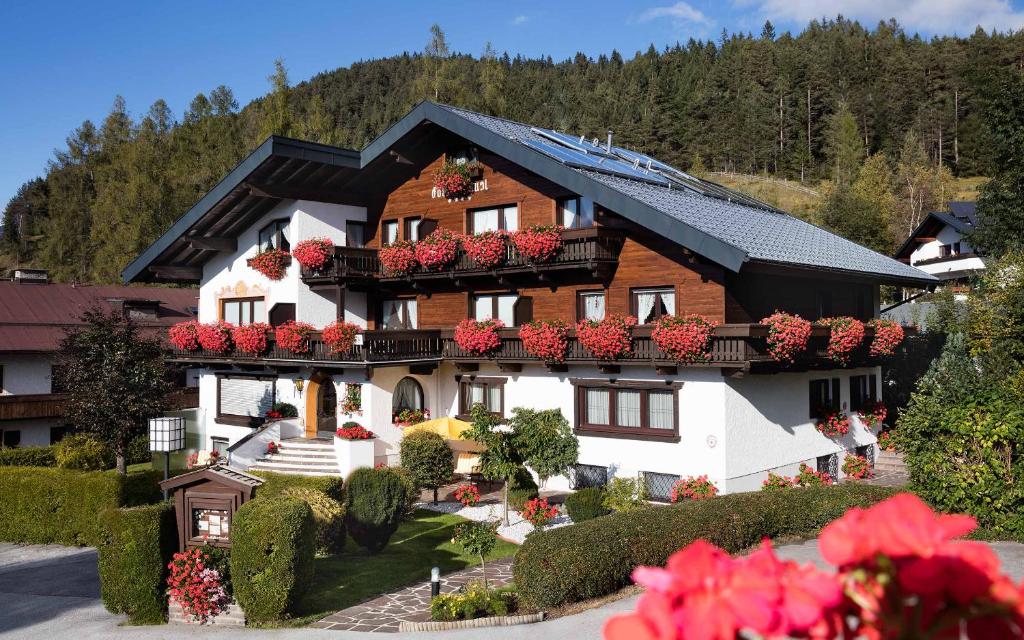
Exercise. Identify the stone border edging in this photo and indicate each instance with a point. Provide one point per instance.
(496, 621)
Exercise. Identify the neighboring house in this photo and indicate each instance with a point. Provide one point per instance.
(641, 238)
(34, 318)
(938, 246)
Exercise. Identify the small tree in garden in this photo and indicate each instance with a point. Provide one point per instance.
(115, 379)
(501, 457)
(545, 441)
(428, 459)
(375, 502)
(477, 538)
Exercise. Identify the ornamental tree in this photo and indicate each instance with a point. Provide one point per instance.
(115, 378)
(428, 459)
(545, 441)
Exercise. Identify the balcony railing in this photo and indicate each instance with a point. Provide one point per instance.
(28, 406)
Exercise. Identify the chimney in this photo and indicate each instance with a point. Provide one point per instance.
(609, 149)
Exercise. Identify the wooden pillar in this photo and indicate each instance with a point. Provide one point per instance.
(339, 302)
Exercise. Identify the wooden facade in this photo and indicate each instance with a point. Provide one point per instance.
(30, 406)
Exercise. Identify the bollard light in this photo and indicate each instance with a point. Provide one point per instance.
(435, 582)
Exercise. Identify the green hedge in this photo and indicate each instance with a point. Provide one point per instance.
(62, 506)
(27, 457)
(586, 504)
(375, 504)
(137, 544)
(273, 542)
(596, 557)
(274, 484)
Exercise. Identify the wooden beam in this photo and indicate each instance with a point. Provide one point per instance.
(666, 370)
(557, 368)
(227, 245)
(177, 272)
(609, 368)
(285, 192)
(422, 369)
(510, 367)
(467, 366)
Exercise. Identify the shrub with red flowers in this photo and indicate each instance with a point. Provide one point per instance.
(909, 578)
(888, 336)
(538, 243)
(834, 424)
(886, 441)
(272, 415)
(609, 338)
(313, 253)
(184, 335)
(468, 495)
(398, 258)
(340, 336)
(215, 336)
(873, 416)
(546, 340)
(272, 448)
(775, 481)
(857, 467)
(293, 336)
(787, 335)
(486, 249)
(478, 337)
(538, 512)
(452, 179)
(808, 477)
(272, 263)
(354, 431)
(686, 339)
(251, 338)
(846, 335)
(438, 250)
(693, 488)
(196, 586)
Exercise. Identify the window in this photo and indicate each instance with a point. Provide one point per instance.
(576, 213)
(275, 236)
(398, 313)
(412, 228)
(590, 305)
(949, 250)
(489, 392)
(863, 392)
(244, 400)
(281, 313)
(219, 444)
(659, 485)
(408, 395)
(589, 475)
(495, 219)
(242, 311)
(388, 232)
(10, 438)
(500, 307)
(823, 304)
(627, 409)
(824, 397)
(650, 304)
(355, 234)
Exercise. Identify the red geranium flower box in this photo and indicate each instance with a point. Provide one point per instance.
(438, 250)
(538, 243)
(787, 335)
(487, 249)
(546, 340)
(185, 335)
(294, 336)
(686, 339)
(340, 336)
(607, 339)
(272, 263)
(888, 336)
(215, 336)
(313, 253)
(478, 337)
(398, 258)
(846, 335)
(354, 432)
(251, 338)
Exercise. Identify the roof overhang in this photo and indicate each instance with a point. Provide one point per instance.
(926, 281)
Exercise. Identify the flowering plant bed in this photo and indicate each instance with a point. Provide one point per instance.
(546, 340)
(888, 336)
(313, 253)
(775, 482)
(185, 335)
(352, 403)
(808, 477)
(787, 335)
(834, 424)
(407, 417)
(538, 243)
(196, 586)
(857, 467)
(453, 180)
(215, 336)
(272, 448)
(251, 338)
(607, 339)
(846, 335)
(272, 263)
(873, 416)
(353, 431)
(487, 250)
(398, 258)
(538, 512)
(478, 337)
(686, 339)
(438, 250)
(340, 336)
(693, 488)
(294, 336)
(468, 495)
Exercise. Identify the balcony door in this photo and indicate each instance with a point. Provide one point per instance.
(398, 314)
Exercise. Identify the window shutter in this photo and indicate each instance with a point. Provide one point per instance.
(813, 394)
(873, 387)
(523, 310)
(251, 397)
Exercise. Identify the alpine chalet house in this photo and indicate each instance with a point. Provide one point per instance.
(452, 215)
(938, 246)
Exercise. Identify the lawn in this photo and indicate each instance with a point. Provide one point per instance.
(355, 576)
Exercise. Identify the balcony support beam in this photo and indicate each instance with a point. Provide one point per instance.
(224, 245)
(510, 367)
(422, 369)
(466, 367)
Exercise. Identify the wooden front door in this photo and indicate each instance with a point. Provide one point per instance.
(327, 407)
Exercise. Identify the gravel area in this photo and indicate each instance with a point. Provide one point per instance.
(517, 528)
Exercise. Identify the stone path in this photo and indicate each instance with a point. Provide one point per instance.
(383, 614)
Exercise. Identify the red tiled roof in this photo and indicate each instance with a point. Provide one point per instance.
(34, 317)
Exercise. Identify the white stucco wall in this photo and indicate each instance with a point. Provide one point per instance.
(35, 432)
(930, 250)
(26, 374)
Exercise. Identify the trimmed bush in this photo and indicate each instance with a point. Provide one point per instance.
(329, 516)
(136, 545)
(62, 506)
(83, 452)
(276, 483)
(272, 549)
(428, 459)
(596, 557)
(586, 504)
(27, 457)
(412, 493)
(138, 450)
(375, 504)
(521, 488)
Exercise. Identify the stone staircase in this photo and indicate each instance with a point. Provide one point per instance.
(890, 462)
(302, 457)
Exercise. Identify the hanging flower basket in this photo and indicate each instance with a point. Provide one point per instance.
(846, 335)
(857, 468)
(607, 339)
(874, 416)
(340, 336)
(353, 431)
(686, 339)
(215, 336)
(185, 335)
(438, 250)
(398, 258)
(294, 336)
(272, 263)
(409, 417)
(487, 250)
(313, 253)
(834, 424)
(538, 243)
(787, 335)
(478, 337)
(251, 338)
(453, 181)
(693, 488)
(352, 404)
(546, 340)
(888, 336)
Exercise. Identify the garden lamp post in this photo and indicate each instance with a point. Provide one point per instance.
(167, 435)
(435, 582)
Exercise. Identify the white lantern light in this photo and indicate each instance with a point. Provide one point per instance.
(167, 434)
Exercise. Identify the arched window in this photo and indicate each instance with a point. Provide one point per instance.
(408, 395)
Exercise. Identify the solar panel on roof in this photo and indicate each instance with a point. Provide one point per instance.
(576, 158)
(573, 142)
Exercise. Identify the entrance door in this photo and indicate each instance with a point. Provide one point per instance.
(327, 407)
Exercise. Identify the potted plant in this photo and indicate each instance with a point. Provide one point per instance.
(196, 585)
(251, 338)
(874, 415)
(340, 336)
(184, 336)
(293, 336)
(846, 335)
(788, 335)
(438, 250)
(857, 467)
(686, 339)
(607, 339)
(314, 253)
(272, 263)
(834, 424)
(488, 249)
(409, 417)
(398, 258)
(478, 337)
(538, 243)
(215, 336)
(888, 336)
(548, 341)
(452, 180)
(353, 447)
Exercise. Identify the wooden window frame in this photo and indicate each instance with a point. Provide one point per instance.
(634, 303)
(494, 303)
(242, 421)
(580, 309)
(559, 204)
(403, 299)
(348, 236)
(857, 401)
(643, 432)
(252, 310)
(502, 226)
(815, 411)
(463, 381)
(406, 230)
(278, 234)
(398, 230)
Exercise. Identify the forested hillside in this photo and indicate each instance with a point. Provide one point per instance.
(876, 121)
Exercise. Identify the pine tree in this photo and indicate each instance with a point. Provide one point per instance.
(846, 148)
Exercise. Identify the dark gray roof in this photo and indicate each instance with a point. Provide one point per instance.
(962, 218)
(964, 210)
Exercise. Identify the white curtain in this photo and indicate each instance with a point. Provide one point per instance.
(392, 318)
(570, 214)
(494, 399)
(644, 306)
(506, 310)
(390, 233)
(232, 312)
(485, 220)
(410, 313)
(668, 299)
(627, 408)
(511, 218)
(593, 307)
(408, 395)
(597, 406)
(482, 307)
(661, 409)
(476, 394)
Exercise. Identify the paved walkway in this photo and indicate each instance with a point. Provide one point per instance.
(411, 604)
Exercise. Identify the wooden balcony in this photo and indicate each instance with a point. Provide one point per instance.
(29, 406)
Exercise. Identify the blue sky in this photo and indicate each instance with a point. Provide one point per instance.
(65, 61)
